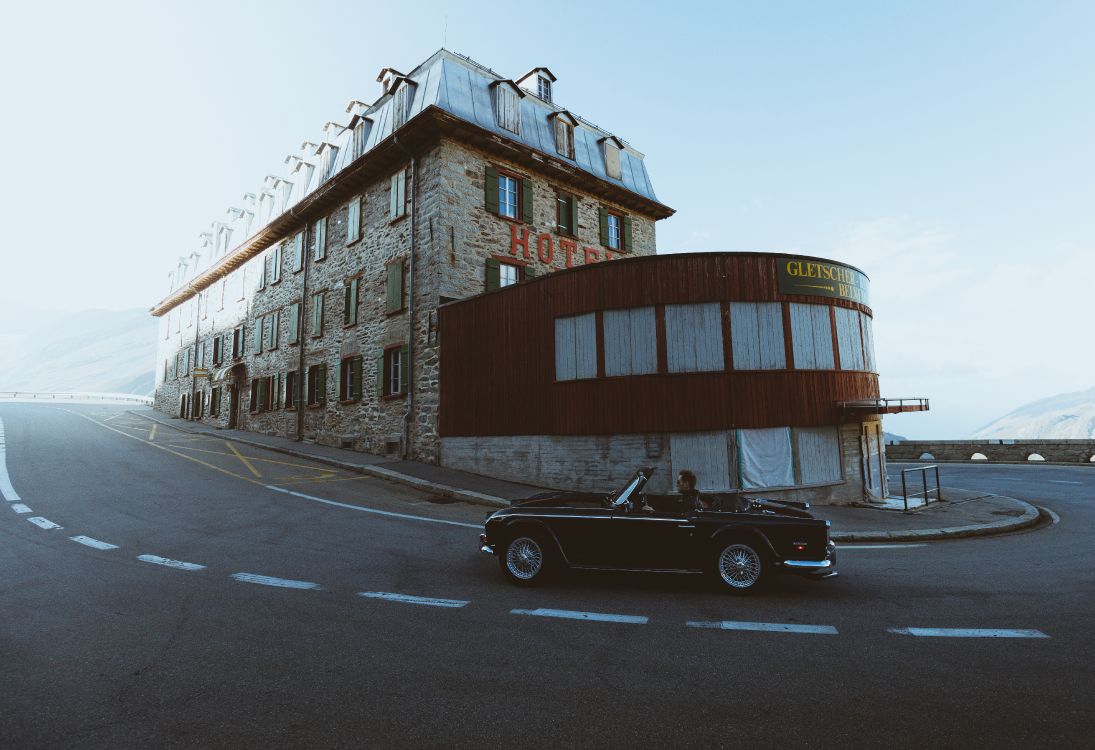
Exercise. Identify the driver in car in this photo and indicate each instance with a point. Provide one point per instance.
(687, 501)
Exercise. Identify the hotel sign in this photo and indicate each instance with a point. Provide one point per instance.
(802, 276)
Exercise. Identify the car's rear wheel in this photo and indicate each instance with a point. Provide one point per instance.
(525, 560)
(740, 566)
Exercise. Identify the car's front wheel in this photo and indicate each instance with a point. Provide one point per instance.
(525, 560)
(740, 566)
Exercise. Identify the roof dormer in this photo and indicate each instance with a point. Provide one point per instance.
(564, 123)
(538, 82)
(612, 146)
(507, 105)
(388, 78)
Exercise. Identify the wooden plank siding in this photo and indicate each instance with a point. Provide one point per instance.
(498, 367)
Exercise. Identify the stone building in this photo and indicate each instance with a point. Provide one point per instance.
(312, 309)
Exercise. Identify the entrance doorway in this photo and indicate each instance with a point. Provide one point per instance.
(233, 405)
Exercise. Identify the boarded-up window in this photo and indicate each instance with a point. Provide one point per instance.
(818, 454)
(693, 337)
(507, 108)
(849, 341)
(705, 454)
(564, 137)
(756, 334)
(868, 341)
(631, 342)
(612, 160)
(764, 458)
(812, 337)
(576, 347)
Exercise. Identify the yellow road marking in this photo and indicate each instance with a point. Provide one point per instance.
(246, 463)
(152, 434)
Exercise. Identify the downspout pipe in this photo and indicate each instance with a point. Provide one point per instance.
(407, 415)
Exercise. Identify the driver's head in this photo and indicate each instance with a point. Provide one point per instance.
(686, 481)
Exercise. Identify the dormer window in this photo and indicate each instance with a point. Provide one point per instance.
(612, 148)
(538, 81)
(564, 133)
(327, 161)
(543, 88)
(507, 105)
(361, 135)
(404, 96)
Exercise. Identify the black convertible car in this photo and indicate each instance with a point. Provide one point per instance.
(736, 539)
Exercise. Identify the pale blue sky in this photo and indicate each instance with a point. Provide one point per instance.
(945, 148)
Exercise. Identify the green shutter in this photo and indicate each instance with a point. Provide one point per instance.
(627, 235)
(494, 280)
(603, 212)
(257, 347)
(380, 375)
(338, 386)
(395, 287)
(526, 201)
(404, 368)
(321, 385)
(529, 273)
(490, 189)
(294, 322)
(353, 299)
(355, 379)
(573, 204)
(260, 395)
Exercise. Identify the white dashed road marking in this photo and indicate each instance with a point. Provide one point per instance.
(968, 633)
(5, 481)
(89, 542)
(43, 523)
(279, 582)
(20, 508)
(178, 564)
(1062, 481)
(846, 547)
(766, 627)
(407, 599)
(569, 615)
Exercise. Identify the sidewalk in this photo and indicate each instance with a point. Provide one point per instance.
(961, 514)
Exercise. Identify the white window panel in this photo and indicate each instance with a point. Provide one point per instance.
(818, 454)
(812, 337)
(765, 459)
(868, 341)
(576, 347)
(693, 337)
(756, 334)
(508, 274)
(631, 342)
(849, 340)
(507, 196)
(705, 454)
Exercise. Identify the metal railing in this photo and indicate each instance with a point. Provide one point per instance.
(924, 479)
(39, 395)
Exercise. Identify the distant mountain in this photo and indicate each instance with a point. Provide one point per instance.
(98, 351)
(890, 437)
(1068, 415)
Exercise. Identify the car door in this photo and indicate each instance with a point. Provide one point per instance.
(583, 533)
(658, 540)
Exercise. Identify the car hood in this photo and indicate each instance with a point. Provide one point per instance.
(547, 499)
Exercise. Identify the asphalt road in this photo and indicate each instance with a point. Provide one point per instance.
(228, 612)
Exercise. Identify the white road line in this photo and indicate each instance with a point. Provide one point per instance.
(1056, 518)
(89, 542)
(968, 633)
(284, 583)
(407, 599)
(43, 523)
(5, 481)
(568, 615)
(373, 510)
(20, 508)
(766, 627)
(849, 546)
(178, 564)
(1061, 481)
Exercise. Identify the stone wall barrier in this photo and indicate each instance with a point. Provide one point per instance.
(998, 451)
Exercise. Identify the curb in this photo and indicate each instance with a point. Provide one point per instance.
(379, 472)
(1030, 517)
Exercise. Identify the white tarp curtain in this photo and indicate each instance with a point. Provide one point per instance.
(576, 347)
(764, 458)
(818, 454)
(705, 454)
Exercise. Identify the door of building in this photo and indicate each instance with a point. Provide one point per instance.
(233, 405)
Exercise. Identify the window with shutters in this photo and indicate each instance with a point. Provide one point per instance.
(508, 195)
(258, 335)
(260, 282)
(218, 350)
(508, 274)
(616, 230)
(564, 136)
(275, 265)
(298, 251)
(273, 324)
(319, 239)
(393, 371)
(576, 347)
(294, 323)
(237, 342)
(349, 302)
(507, 107)
(397, 196)
(349, 379)
(291, 386)
(257, 387)
(566, 214)
(317, 314)
(353, 220)
(316, 388)
(215, 402)
(394, 297)
(501, 273)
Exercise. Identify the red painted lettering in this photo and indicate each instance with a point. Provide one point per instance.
(515, 242)
(571, 247)
(590, 255)
(545, 248)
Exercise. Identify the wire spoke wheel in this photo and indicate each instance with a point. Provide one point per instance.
(739, 566)
(524, 558)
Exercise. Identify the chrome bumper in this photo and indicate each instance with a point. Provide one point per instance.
(485, 548)
(808, 564)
